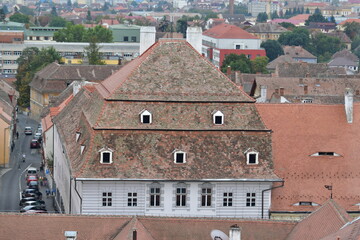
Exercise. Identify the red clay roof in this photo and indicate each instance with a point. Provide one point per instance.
(302, 17)
(301, 130)
(349, 21)
(227, 31)
(326, 220)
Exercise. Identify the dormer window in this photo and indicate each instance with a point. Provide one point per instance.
(82, 149)
(325, 154)
(218, 118)
(179, 157)
(106, 155)
(78, 134)
(252, 158)
(145, 117)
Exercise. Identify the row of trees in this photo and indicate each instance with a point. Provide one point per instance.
(78, 33)
(245, 65)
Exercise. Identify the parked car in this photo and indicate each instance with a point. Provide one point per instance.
(27, 208)
(31, 193)
(28, 131)
(31, 172)
(34, 143)
(31, 178)
(33, 185)
(38, 136)
(34, 203)
(26, 199)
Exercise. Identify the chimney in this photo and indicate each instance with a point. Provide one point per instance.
(237, 77)
(228, 71)
(277, 91)
(317, 82)
(70, 235)
(281, 91)
(194, 37)
(301, 82)
(349, 104)
(263, 92)
(147, 38)
(305, 89)
(234, 233)
(231, 6)
(76, 87)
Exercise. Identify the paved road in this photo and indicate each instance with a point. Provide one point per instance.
(12, 181)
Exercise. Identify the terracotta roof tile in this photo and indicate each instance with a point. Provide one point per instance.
(300, 130)
(279, 61)
(350, 231)
(297, 52)
(227, 31)
(303, 69)
(267, 28)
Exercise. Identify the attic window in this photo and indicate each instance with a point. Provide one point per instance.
(78, 134)
(106, 155)
(179, 157)
(252, 158)
(82, 148)
(326, 154)
(145, 117)
(306, 203)
(218, 118)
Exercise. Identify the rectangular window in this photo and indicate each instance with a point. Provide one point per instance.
(106, 157)
(7, 62)
(250, 199)
(146, 119)
(132, 199)
(179, 157)
(206, 197)
(126, 39)
(181, 197)
(107, 199)
(228, 199)
(252, 158)
(154, 197)
(218, 120)
(305, 203)
(7, 53)
(237, 46)
(133, 39)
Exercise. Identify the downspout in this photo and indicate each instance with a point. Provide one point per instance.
(79, 196)
(70, 197)
(262, 197)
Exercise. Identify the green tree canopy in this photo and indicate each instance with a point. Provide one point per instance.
(355, 42)
(99, 34)
(324, 46)
(53, 12)
(316, 17)
(241, 8)
(274, 15)
(31, 61)
(58, 22)
(273, 49)
(2, 15)
(5, 9)
(352, 29)
(243, 64)
(20, 18)
(78, 33)
(26, 11)
(298, 37)
(262, 17)
(258, 65)
(92, 52)
(288, 25)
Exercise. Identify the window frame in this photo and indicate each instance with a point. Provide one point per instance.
(218, 114)
(155, 197)
(176, 153)
(180, 196)
(107, 199)
(132, 199)
(250, 199)
(228, 199)
(106, 150)
(206, 196)
(256, 158)
(145, 113)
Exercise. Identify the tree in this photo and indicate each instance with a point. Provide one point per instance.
(355, 42)
(241, 8)
(20, 18)
(262, 17)
(31, 61)
(317, 11)
(298, 37)
(93, 54)
(258, 65)
(69, 3)
(181, 25)
(164, 25)
(316, 17)
(2, 15)
(237, 63)
(274, 15)
(288, 25)
(324, 46)
(332, 19)
(43, 20)
(26, 11)
(357, 52)
(5, 9)
(78, 33)
(273, 49)
(307, 11)
(99, 34)
(352, 29)
(88, 16)
(53, 12)
(57, 22)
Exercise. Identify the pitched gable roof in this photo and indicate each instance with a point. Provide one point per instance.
(345, 54)
(227, 31)
(267, 28)
(350, 231)
(280, 60)
(297, 52)
(313, 227)
(303, 69)
(171, 70)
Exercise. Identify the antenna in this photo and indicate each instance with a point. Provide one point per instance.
(218, 235)
(329, 187)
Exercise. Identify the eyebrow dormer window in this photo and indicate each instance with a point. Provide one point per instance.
(179, 157)
(145, 117)
(326, 154)
(106, 155)
(218, 118)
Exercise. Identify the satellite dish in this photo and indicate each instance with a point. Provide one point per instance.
(218, 235)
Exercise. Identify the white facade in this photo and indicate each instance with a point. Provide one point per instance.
(179, 3)
(232, 43)
(245, 197)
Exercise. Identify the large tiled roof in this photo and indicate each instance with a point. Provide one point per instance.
(171, 71)
(111, 120)
(341, 35)
(297, 52)
(350, 231)
(342, 61)
(267, 28)
(300, 130)
(345, 54)
(55, 77)
(304, 69)
(280, 60)
(227, 31)
(22, 226)
(326, 220)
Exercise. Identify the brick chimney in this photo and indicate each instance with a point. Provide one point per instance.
(349, 104)
(282, 90)
(228, 71)
(234, 233)
(277, 91)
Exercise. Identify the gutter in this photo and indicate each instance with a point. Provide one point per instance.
(183, 130)
(78, 195)
(181, 180)
(262, 196)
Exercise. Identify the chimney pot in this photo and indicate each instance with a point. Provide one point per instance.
(349, 104)
(228, 70)
(235, 233)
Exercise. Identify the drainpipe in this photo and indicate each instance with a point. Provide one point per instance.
(262, 197)
(70, 197)
(79, 196)
(5, 144)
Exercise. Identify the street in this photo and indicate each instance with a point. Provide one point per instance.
(12, 179)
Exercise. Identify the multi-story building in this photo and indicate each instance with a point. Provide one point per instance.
(224, 39)
(166, 135)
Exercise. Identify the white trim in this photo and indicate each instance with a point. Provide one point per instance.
(145, 113)
(78, 134)
(82, 148)
(218, 114)
(248, 158)
(179, 152)
(317, 154)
